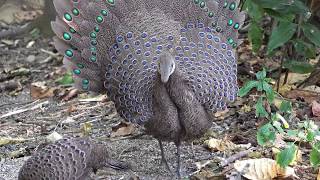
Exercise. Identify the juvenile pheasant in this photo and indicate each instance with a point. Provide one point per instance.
(165, 63)
(67, 159)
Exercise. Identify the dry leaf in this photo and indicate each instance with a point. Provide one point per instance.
(245, 109)
(39, 91)
(53, 137)
(262, 169)
(315, 106)
(122, 129)
(318, 177)
(307, 96)
(284, 89)
(220, 145)
(71, 94)
(9, 140)
(23, 16)
(86, 128)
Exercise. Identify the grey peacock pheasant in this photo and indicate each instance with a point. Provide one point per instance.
(69, 158)
(165, 63)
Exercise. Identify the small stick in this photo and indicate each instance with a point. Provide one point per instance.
(23, 110)
(235, 157)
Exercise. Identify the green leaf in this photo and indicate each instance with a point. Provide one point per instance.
(247, 87)
(260, 110)
(272, 4)
(255, 36)
(261, 74)
(310, 136)
(280, 35)
(286, 156)
(293, 133)
(285, 107)
(298, 66)
(277, 125)
(305, 49)
(269, 91)
(266, 134)
(279, 16)
(312, 33)
(254, 10)
(315, 155)
(66, 79)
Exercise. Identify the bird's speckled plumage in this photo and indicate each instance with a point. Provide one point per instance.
(66, 159)
(114, 47)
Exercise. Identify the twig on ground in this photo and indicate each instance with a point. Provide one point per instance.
(235, 157)
(23, 110)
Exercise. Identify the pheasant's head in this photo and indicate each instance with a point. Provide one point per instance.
(166, 66)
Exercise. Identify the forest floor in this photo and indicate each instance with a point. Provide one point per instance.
(34, 107)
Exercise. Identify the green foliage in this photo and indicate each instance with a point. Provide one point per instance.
(66, 79)
(291, 29)
(266, 135)
(285, 107)
(255, 36)
(312, 33)
(298, 66)
(281, 35)
(260, 110)
(286, 156)
(315, 155)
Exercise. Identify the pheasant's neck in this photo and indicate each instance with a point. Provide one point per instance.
(178, 89)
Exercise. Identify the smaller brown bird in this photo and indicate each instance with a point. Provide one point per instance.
(67, 159)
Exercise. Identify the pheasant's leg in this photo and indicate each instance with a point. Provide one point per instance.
(163, 158)
(178, 160)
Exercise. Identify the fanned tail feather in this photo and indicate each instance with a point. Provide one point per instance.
(113, 46)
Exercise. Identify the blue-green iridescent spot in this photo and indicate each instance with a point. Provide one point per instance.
(85, 87)
(225, 4)
(210, 14)
(85, 81)
(81, 66)
(93, 49)
(66, 36)
(111, 1)
(77, 71)
(236, 26)
(218, 29)
(93, 58)
(96, 29)
(72, 30)
(230, 22)
(232, 6)
(104, 12)
(196, 1)
(234, 45)
(202, 4)
(68, 53)
(67, 17)
(230, 40)
(75, 11)
(93, 35)
(99, 19)
(93, 42)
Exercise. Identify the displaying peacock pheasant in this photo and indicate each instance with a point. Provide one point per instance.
(67, 159)
(166, 64)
